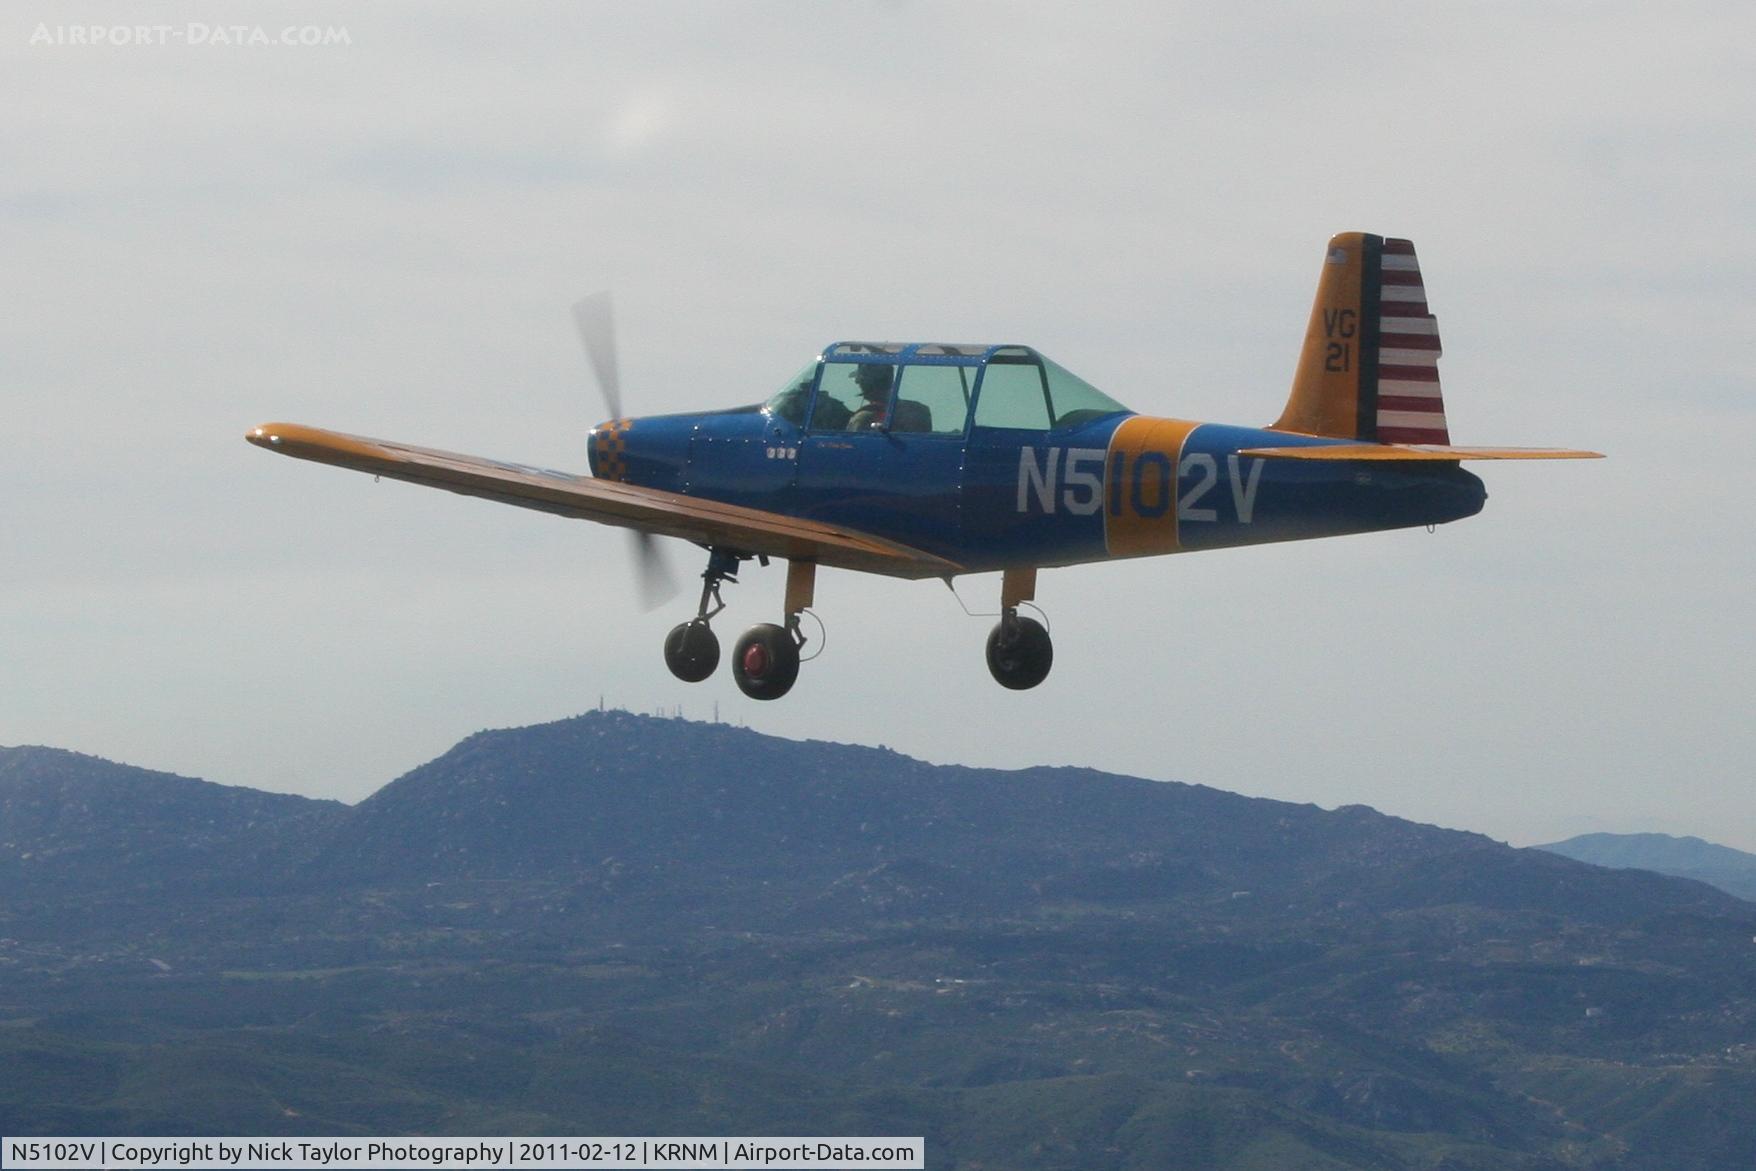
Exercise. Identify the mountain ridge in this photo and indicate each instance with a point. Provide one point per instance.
(69, 816)
(1729, 869)
(619, 921)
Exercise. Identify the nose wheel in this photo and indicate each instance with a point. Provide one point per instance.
(692, 650)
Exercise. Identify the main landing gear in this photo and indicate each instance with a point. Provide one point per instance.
(765, 659)
(1019, 651)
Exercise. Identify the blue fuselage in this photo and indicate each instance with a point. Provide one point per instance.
(1121, 485)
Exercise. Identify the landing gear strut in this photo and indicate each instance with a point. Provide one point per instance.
(1019, 651)
(692, 648)
(765, 659)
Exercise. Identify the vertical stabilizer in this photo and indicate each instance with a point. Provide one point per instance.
(1370, 366)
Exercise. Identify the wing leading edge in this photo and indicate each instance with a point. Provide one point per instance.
(705, 522)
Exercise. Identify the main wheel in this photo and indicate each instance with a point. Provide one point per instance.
(1020, 658)
(692, 650)
(765, 661)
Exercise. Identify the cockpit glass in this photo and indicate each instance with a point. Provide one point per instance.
(1013, 395)
(1020, 390)
(1023, 390)
(1073, 399)
(793, 399)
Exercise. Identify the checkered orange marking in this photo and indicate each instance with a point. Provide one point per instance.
(610, 449)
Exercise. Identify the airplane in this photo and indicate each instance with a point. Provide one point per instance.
(933, 460)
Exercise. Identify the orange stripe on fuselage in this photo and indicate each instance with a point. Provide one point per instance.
(1140, 486)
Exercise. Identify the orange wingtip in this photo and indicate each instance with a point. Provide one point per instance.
(296, 438)
(1415, 451)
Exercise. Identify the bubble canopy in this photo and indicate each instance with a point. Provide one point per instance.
(1023, 389)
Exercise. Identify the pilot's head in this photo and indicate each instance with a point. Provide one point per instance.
(873, 381)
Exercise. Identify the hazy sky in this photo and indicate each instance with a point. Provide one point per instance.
(385, 236)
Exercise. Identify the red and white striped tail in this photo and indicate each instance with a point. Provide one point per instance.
(1369, 369)
(1409, 407)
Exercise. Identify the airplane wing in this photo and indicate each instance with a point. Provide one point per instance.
(706, 522)
(1414, 451)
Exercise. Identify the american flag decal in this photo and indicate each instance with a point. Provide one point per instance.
(1406, 401)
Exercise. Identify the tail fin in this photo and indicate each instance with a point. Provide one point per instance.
(1369, 369)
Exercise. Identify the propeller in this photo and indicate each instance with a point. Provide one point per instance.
(654, 577)
(597, 329)
(655, 581)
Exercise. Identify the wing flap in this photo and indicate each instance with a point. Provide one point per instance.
(670, 514)
(1414, 451)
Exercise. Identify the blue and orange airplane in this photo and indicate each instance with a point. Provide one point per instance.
(931, 460)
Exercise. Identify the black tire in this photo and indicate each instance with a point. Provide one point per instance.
(765, 661)
(1020, 659)
(692, 651)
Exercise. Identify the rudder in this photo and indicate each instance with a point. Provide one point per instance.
(1369, 368)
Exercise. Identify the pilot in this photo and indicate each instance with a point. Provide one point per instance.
(874, 383)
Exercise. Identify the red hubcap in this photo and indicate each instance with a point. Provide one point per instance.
(755, 660)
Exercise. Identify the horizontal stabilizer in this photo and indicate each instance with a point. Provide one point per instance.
(1414, 451)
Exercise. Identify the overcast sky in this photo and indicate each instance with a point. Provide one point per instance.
(384, 237)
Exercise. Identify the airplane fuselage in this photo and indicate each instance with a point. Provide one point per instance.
(1123, 485)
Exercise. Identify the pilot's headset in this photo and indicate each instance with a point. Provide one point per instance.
(873, 380)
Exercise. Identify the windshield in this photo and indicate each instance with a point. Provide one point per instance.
(794, 396)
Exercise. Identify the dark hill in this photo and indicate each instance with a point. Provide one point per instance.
(696, 813)
(74, 823)
(618, 924)
(719, 802)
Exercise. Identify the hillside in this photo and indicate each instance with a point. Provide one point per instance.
(75, 823)
(1732, 871)
(618, 924)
